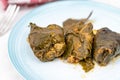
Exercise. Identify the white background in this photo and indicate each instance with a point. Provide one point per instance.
(7, 70)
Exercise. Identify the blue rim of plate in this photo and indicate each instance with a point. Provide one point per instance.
(41, 8)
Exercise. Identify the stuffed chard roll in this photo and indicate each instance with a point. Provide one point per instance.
(79, 38)
(106, 46)
(47, 43)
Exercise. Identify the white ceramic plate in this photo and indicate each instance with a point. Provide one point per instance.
(31, 68)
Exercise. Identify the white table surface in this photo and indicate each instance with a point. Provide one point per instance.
(7, 70)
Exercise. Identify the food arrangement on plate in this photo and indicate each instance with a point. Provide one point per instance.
(75, 42)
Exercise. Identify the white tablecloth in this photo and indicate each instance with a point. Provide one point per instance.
(7, 70)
